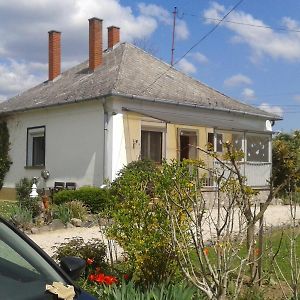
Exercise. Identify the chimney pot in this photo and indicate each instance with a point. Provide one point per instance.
(95, 43)
(113, 36)
(54, 54)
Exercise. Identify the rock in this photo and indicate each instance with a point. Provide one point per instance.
(69, 225)
(44, 228)
(76, 222)
(57, 224)
(34, 230)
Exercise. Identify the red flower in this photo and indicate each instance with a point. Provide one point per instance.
(92, 277)
(99, 278)
(126, 276)
(89, 261)
(109, 280)
(205, 251)
(102, 278)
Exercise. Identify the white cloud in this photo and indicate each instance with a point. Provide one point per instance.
(277, 110)
(187, 67)
(24, 27)
(165, 17)
(237, 80)
(16, 77)
(296, 98)
(283, 45)
(248, 94)
(199, 57)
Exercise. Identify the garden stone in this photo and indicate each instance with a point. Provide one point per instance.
(34, 230)
(44, 228)
(57, 224)
(76, 222)
(69, 225)
(88, 224)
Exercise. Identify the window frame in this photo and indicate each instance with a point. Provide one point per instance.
(163, 140)
(42, 129)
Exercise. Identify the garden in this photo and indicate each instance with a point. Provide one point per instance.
(176, 245)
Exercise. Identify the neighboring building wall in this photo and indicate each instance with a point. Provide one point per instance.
(74, 144)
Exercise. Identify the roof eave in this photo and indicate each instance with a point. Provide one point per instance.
(195, 105)
(129, 96)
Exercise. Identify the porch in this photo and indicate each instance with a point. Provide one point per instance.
(150, 138)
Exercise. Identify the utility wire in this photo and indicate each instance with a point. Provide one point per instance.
(196, 44)
(242, 23)
(254, 25)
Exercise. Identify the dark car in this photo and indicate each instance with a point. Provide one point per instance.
(25, 269)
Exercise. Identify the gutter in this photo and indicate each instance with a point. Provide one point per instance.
(195, 105)
(135, 97)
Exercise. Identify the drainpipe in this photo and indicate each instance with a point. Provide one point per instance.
(105, 133)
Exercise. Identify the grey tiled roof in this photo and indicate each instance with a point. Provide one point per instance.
(126, 71)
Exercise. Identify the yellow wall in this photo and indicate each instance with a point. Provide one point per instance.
(132, 128)
(133, 124)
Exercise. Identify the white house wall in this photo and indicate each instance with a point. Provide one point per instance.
(74, 143)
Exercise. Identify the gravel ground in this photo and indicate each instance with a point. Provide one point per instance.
(276, 215)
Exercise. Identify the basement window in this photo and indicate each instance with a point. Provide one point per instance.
(35, 146)
(151, 146)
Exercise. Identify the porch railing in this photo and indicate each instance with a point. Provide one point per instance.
(257, 173)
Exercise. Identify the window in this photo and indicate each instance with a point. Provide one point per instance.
(219, 142)
(151, 146)
(35, 146)
(188, 143)
(258, 148)
(210, 140)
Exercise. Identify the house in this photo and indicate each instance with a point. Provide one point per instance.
(121, 105)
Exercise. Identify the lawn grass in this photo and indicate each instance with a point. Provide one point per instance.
(276, 243)
(280, 239)
(7, 208)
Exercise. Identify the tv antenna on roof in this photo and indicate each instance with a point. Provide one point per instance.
(173, 35)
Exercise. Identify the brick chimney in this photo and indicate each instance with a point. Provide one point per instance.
(95, 43)
(54, 54)
(113, 36)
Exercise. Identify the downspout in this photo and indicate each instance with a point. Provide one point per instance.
(105, 120)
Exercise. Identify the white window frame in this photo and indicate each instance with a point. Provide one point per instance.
(163, 137)
(32, 132)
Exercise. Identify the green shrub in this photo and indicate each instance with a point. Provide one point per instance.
(22, 217)
(95, 198)
(140, 224)
(128, 291)
(5, 161)
(64, 196)
(62, 212)
(93, 249)
(23, 188)
(78, 210)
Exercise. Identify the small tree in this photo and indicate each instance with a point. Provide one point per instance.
(208, 242)
(140, 224)
(5, 161)
(286, 161)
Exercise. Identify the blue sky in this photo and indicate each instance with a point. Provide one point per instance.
(253, 64)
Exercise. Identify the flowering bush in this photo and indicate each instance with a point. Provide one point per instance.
(101, 278)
